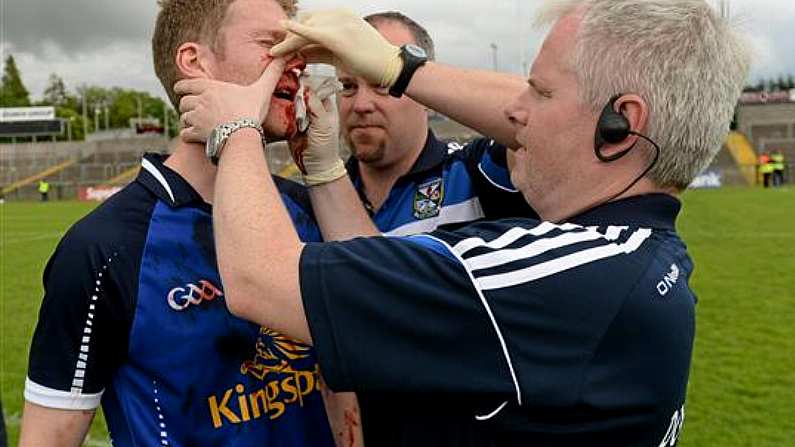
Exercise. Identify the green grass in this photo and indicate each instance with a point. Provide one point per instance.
(742, 380)
(29, 233)
(743, 376)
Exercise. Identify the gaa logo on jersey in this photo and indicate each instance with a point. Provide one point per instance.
(428, 199)
(180, 298)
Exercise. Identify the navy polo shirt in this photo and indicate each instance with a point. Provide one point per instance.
(448, 184)
(512, 332)
(134, 317)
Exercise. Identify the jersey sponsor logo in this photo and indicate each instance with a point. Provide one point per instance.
(669, 280)
(287, 375)
(271, 399)
(180, 298)
(275, 353)
(674, 429)
(428, 199)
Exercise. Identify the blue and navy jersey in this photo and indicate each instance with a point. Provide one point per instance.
(512, 332)
(134, 318)
(448, 184)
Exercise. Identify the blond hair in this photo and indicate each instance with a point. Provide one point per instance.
(181, 21)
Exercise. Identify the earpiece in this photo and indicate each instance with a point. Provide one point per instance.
(612, 127)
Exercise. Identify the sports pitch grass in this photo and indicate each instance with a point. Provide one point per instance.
(743, 376)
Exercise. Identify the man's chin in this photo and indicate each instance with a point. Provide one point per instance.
(276, 132)
(368, 154)
(280, 123)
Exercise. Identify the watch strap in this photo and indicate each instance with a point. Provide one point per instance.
(410, 65)
(222, 133)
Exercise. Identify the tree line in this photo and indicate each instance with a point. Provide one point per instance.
(772, 84)
(105, 108)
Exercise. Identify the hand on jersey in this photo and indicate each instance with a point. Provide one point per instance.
(316, 152)
(207, 103)
(340, 37)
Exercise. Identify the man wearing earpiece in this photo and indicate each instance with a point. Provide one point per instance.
(574, 330)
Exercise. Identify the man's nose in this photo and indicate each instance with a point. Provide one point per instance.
(364, 101)
(297, 61)
(515, 112)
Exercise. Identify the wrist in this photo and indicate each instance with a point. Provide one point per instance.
(411, 58)
(246, 134)
(332, 173)
(393, 69)
(220, 136)
(243, 141)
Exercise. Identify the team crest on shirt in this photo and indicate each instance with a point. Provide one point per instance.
(428, 199)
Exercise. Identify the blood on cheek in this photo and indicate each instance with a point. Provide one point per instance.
(288, 120)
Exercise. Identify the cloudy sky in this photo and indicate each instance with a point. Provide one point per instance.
(107, 42)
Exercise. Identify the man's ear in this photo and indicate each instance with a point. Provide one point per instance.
(194, 61)
(635, 109)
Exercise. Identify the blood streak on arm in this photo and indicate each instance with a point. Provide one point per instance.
(352, 426)
(343, 415)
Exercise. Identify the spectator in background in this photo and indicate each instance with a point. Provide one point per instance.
(777, 160)
(44, 190)
(765, 169)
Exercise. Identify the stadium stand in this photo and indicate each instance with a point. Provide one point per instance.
(102, 162)
(742, 153)
(68, 166)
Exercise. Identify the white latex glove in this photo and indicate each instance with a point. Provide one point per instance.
(316, 153)
(340, 37)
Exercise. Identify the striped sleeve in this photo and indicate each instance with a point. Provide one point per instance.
(519, 304)
(82, 331)
(523, 255)
(399, 314)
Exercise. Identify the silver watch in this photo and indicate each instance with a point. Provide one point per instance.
(219, 135)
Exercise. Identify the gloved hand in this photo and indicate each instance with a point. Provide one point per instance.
(316, 153)
(340, 37)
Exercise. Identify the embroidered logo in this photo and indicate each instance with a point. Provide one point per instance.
(453, 147)
(669, 281)
(180, 298)
(275, 353)
(428, 199)
(288, 376)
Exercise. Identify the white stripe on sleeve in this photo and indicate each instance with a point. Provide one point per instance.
(563, 263)
(62, 400)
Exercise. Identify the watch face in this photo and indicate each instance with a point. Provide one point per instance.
(212, 143)
(415, 51)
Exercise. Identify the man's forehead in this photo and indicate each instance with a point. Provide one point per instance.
(559, 45)
(261, 16)
(395, 32)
